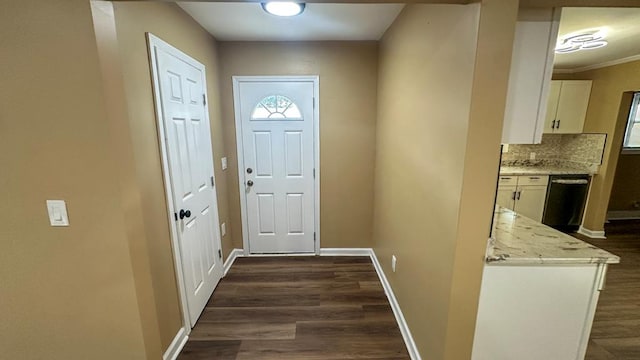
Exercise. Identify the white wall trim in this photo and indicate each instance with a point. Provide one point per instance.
(176, 345)
(235, 253)
(239, 151)
(345, 252)
(591, 233)
(598, 66)
(402, 324)
(623, 215)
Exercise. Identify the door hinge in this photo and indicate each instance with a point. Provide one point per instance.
(314, 173)
(314, 102)
(314, 236)
(204, 99)
(175, 215)
(220, 253)
(212, 184)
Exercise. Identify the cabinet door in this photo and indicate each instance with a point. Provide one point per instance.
(505, 196)
(572, 106)
(530, 201)
(552, 106)
(530, 74)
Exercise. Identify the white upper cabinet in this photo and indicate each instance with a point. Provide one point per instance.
(567, 106)
(530, 75)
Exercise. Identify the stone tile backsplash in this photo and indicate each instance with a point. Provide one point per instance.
(563, 150)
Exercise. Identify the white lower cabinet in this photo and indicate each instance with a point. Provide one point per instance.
(526, 195)
(536, 312)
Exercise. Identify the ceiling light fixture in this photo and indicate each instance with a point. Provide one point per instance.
(283, 8)
(583, 40)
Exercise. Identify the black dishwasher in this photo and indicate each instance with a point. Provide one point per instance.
(566, 197)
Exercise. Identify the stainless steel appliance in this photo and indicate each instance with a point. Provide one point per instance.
(566, 198)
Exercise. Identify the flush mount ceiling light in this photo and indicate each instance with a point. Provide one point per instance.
(283, 8)
(582, 40)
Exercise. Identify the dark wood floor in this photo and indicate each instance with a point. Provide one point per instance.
(297, 308)
(616, 328)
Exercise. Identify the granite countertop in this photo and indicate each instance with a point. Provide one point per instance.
(522, 241)
(544, 170)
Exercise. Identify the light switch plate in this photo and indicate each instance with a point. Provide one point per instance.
(224, 163)
(57, 213)
(223, 229)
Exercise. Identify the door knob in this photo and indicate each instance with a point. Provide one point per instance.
(184, 214)
(249, 170)
(250, 183)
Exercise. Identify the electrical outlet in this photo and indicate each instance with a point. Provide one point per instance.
(224, 163)
(393, 263)
(223, 229)
(505, 148)
(532, 156)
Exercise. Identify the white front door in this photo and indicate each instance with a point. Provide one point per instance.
(184, 112)
(277, 150)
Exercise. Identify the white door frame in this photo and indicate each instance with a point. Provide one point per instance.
(153, 42)
(240, 151)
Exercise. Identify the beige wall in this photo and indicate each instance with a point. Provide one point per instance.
(604, 115)
(425, 57)
(70, 292)
(170, 23)
(433, 193)
(347, 73)
(625, 190)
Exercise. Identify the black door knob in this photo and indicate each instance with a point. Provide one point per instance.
(184, 214)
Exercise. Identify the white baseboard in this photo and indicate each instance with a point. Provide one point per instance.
(404, 328)
(235, 253)
(623, 215)
(345, 252)
(591, 233)
(176, 345)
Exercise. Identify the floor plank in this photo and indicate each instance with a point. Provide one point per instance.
(615, 334)
(298, 307)
(206, 350)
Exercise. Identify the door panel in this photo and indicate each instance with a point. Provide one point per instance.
(181, 82)
(505, 196)
(531, 201)
(572, 106)
(552, 106)
(277, 148)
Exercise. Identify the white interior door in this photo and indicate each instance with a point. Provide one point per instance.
(181, 82)
(277, 178)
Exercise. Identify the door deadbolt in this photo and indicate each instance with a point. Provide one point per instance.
(250, 183)
(249, 170)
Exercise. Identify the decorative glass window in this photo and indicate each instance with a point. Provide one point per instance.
(276, 107)
(632, 135)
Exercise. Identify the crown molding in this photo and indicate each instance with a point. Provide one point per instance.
(598, 66)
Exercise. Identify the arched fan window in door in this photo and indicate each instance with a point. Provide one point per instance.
(276, 107)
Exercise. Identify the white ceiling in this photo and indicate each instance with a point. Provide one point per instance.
(248, 22)
(623, 34)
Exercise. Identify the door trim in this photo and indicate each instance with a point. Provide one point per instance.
(239, 150)
(155, 42)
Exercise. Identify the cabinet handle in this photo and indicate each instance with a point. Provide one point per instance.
(534, 177)
(558, 124)
(505, 178)
(518, 196)
(513, 195)
(553, 124)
